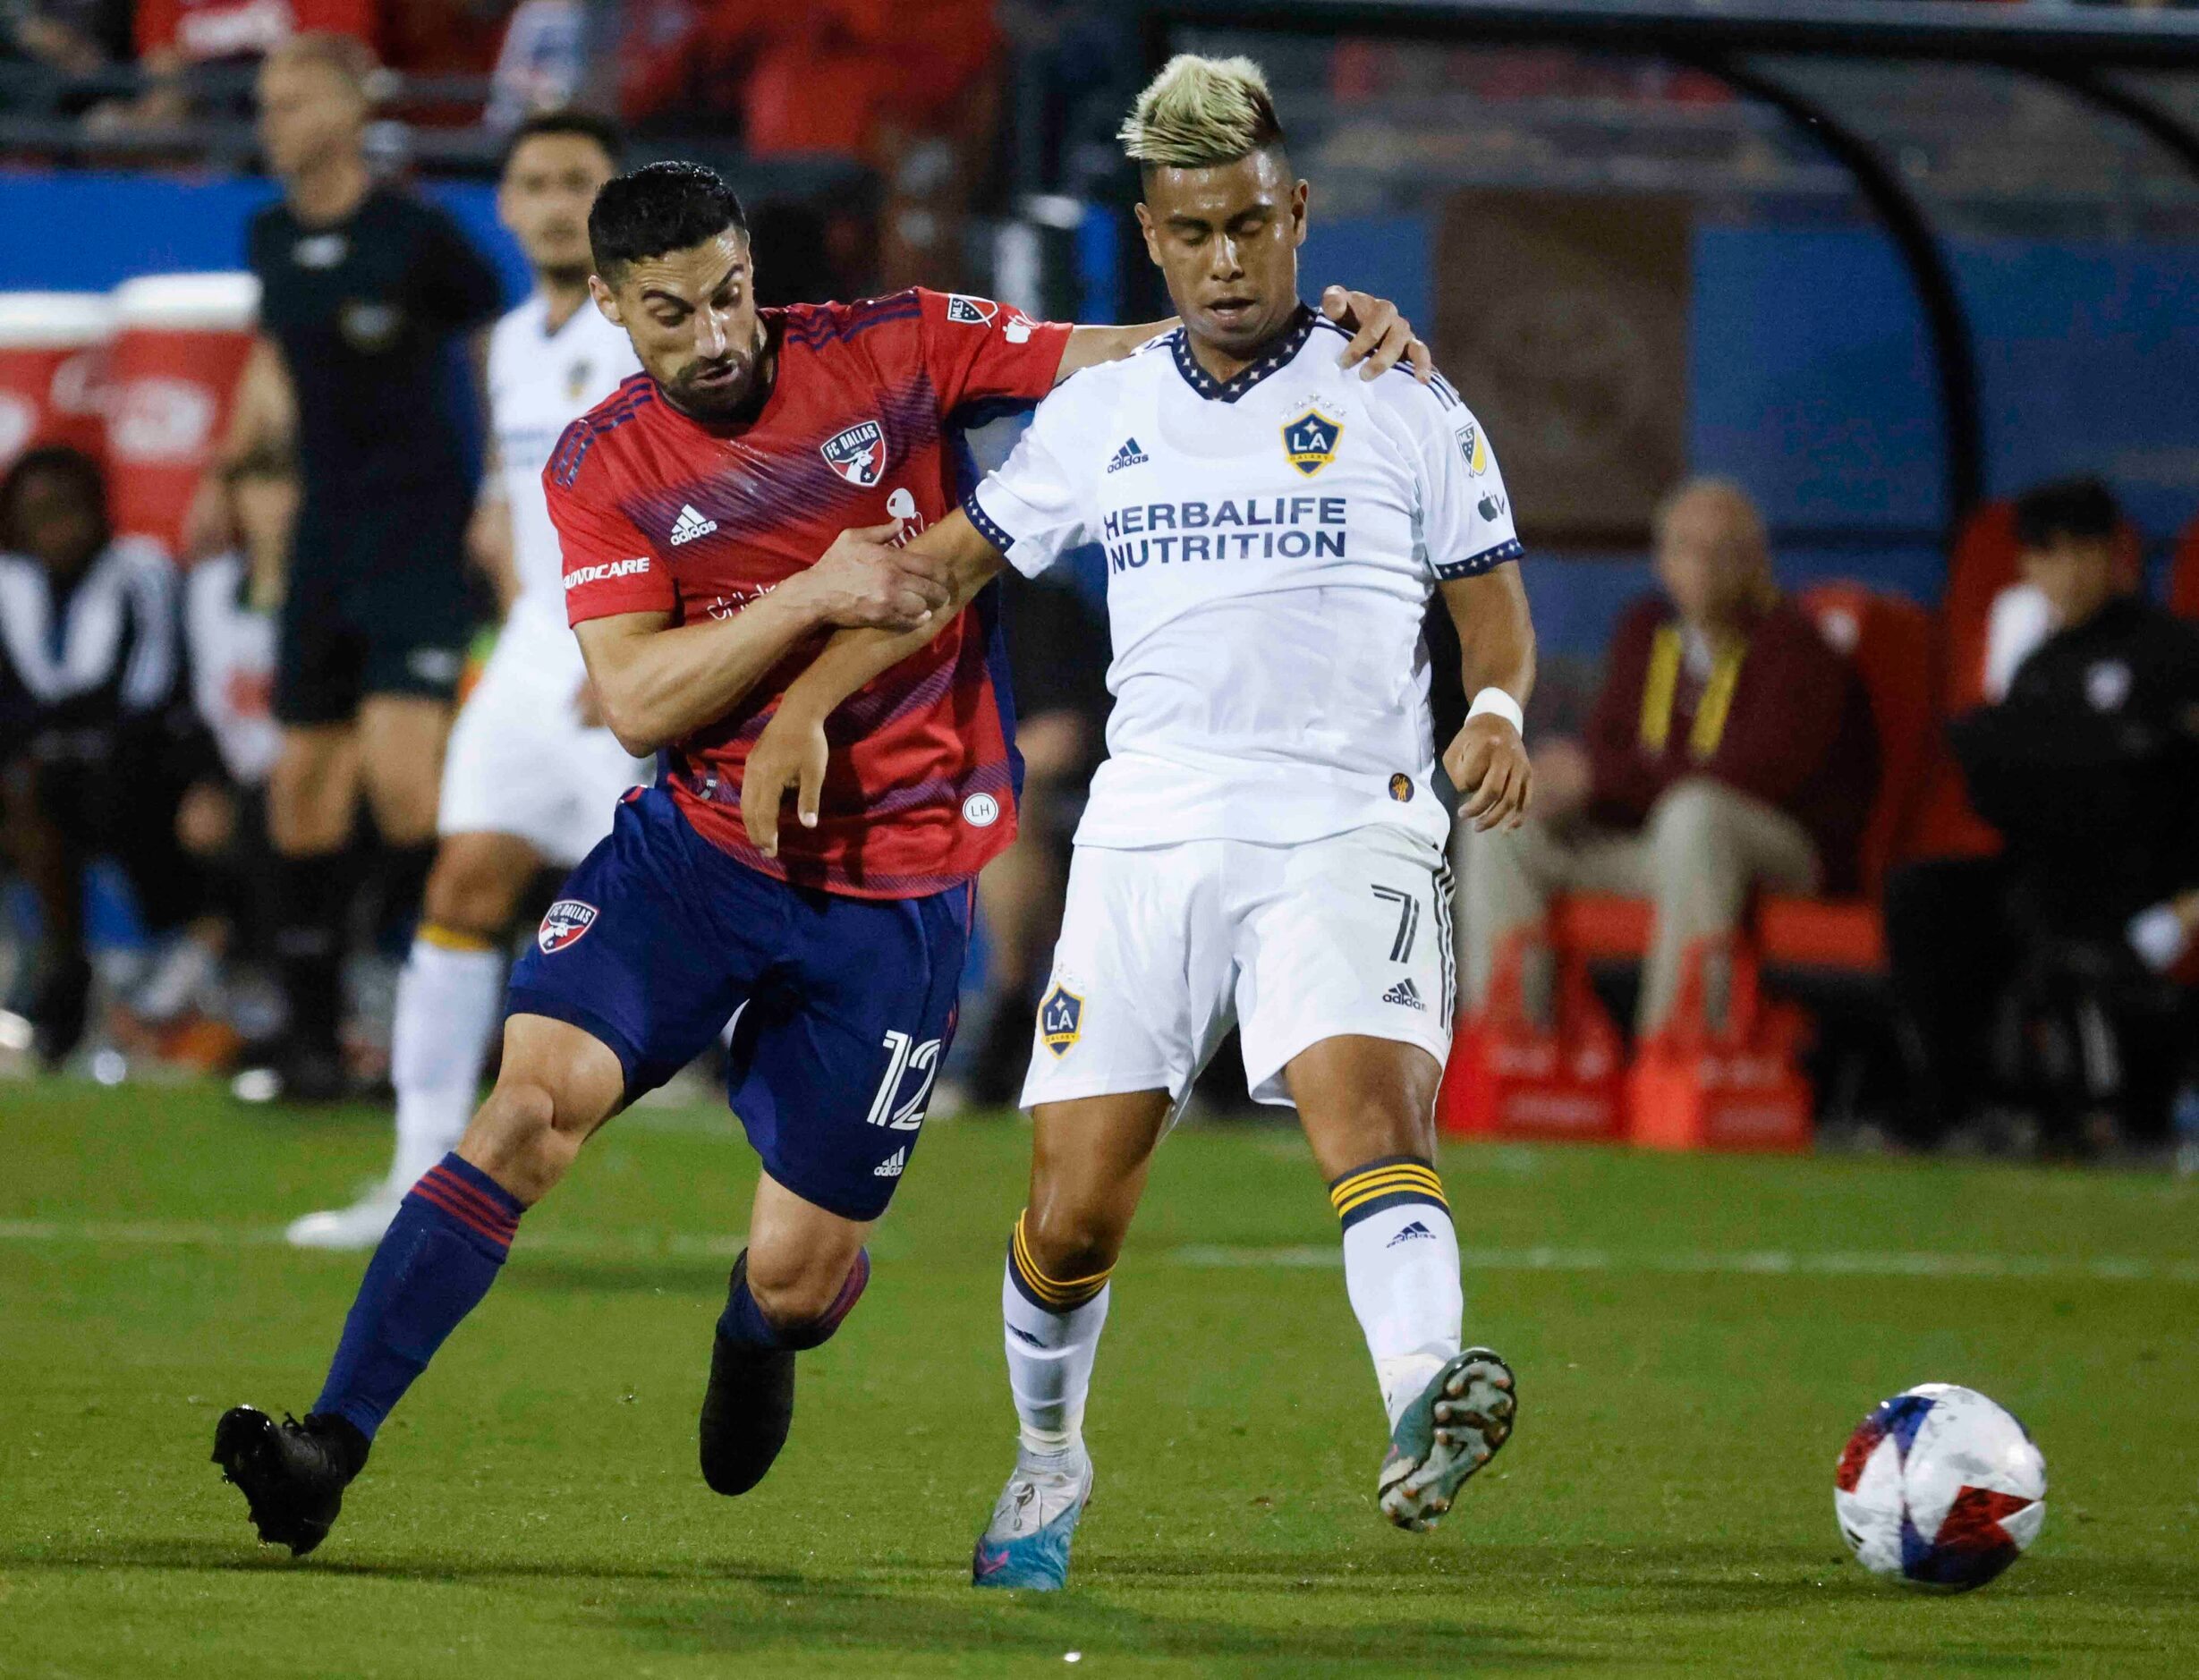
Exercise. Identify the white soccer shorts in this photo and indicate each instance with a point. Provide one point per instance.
(1164, 948)
(521, 762)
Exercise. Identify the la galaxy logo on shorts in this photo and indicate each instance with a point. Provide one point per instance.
(857, 454)
(1061, 1018)
(1310, 441)
(564, 924)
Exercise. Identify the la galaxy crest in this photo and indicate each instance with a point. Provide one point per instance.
(562, 924)
(1310, 441)
(1061, 1018)
(857, 454)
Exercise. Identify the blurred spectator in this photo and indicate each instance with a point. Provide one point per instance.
(97, 751)
(909, 92)
(540, 63)
(368, 295)
(1731, 748)
(1058, 657)
(176, 36)
(2089, 768)
(74, 38)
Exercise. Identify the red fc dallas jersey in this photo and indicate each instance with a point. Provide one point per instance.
(659, 513)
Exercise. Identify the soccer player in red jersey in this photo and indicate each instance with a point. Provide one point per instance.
(690, 506)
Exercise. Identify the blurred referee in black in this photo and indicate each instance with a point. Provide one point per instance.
(362, 371)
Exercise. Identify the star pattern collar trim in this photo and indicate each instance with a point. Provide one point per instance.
(1281, 352)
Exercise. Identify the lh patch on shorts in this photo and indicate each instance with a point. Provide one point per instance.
(1061, 1020)
(564, 924)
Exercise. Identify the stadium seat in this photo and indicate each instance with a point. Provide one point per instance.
(2184, 573)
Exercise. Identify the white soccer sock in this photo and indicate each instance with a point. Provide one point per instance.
(1401, 1270)
(1050, 1353)
(448, 1000)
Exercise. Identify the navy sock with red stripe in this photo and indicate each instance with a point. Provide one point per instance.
(439, 1259)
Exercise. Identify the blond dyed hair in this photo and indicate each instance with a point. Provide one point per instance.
(1198, 113)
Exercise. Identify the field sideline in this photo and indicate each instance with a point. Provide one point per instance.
(1695, 1339)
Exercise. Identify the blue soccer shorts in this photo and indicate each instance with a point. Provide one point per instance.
(845, 1006)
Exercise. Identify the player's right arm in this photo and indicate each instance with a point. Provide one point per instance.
(792, 751)
(658, 681)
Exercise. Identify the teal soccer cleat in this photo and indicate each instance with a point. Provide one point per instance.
(1450, 1431)
(1027, 1542)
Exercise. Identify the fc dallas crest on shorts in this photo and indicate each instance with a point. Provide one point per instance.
(857, 454)
(564, 924)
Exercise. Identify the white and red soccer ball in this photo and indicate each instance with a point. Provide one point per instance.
(1941, 1488)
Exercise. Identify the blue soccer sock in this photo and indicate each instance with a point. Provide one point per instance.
(441, 1253)
(744, 1319)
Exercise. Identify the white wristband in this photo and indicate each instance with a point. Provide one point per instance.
(1494, 702)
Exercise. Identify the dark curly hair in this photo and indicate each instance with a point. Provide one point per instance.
(2083, 509)
(658, 209)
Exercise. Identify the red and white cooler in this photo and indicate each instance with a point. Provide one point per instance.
(179, 342)
(52, 348)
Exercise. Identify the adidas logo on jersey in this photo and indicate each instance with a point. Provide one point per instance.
(1404, 992)
(689, 525)
(1412, 1233)
(890, 1167)
(1128, 455)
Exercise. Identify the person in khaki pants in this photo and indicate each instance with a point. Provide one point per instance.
(1730, 748)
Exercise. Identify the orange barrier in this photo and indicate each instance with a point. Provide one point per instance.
(1510, 1077)
(53, 348)
(1734, 1089)
(179, 342)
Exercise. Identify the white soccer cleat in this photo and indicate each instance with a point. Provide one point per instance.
(1027, 1542)
(360, 1225)
(1452, 1428)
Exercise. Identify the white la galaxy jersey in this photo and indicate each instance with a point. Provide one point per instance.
(1272, 544)
(540, 382)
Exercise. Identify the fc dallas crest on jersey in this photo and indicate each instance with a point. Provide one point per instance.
(564, 924)
(857, 454)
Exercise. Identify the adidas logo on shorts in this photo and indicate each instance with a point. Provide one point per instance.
(890, 1167)
(1128, 455)
(691, 524)
(1412, 1233)
(1404, 992)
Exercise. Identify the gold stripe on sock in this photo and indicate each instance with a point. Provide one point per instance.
(1382, 1180)
(451, 938)
(1056, 1292)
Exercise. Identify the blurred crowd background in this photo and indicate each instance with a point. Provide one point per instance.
(1849, 404)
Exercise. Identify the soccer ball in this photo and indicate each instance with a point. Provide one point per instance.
(1941, 1488)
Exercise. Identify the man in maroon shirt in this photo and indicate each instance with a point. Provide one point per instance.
(1731, 748)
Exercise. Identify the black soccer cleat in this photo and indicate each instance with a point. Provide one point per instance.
(747, 1409)
(293, 1474)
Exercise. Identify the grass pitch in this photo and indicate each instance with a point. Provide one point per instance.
(1694, 1339)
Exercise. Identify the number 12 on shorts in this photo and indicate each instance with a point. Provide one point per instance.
(902, 1055)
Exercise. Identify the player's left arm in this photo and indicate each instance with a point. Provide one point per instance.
(1487, 759)
(1465, 528)
(1381, 337)
(488, 534)
(792, 750)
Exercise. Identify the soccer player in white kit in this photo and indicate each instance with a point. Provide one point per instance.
(532, 776)
(1265, 843)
